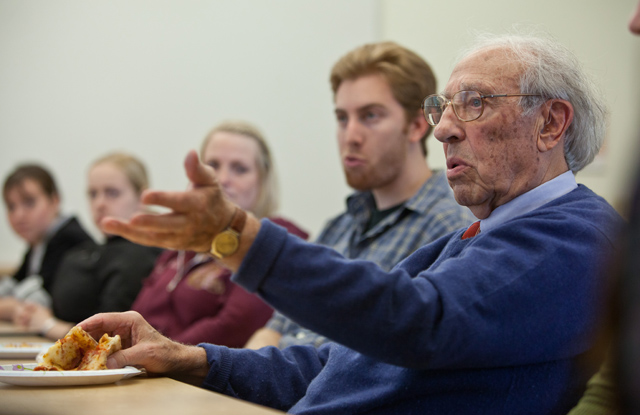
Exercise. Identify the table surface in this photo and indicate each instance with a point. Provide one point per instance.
(140, 395)
(10, 330)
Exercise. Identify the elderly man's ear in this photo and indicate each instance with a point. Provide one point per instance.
(556, 115)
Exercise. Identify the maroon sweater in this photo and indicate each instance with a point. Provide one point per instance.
(190, 315)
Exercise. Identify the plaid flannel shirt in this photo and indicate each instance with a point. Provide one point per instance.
(431, 213)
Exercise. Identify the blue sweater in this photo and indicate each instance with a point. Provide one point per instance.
(487, 325)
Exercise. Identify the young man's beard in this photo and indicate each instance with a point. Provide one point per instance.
(385, 172)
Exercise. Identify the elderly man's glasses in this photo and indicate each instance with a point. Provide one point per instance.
(467, 105)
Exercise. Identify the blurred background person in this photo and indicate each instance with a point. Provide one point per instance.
(96, 278)
(32, 200)
(190, 297)
(399, 203)
(615, 389)
(634, 22)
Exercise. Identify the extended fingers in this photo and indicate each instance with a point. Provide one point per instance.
(174, 231)
(141, 234)
(177, 201)
(118, 227)
(170, 232)
(160, 223)
(199, 174)
(196, 216)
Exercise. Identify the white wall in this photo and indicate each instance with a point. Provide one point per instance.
(596, 30)
(79, 78)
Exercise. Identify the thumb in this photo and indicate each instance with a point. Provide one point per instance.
(199, 174)
(121, 359)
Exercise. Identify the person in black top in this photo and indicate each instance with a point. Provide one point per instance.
(98, 278)
(32, 200)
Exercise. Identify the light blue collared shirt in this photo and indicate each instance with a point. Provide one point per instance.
(531, 200)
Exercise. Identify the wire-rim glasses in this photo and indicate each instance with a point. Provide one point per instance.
(467, 105)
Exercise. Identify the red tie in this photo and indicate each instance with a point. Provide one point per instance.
(472, 231)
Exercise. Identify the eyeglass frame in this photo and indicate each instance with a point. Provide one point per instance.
(450, 102)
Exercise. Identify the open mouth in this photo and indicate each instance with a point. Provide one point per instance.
(455, 167)
(453, 163)
(352, 161)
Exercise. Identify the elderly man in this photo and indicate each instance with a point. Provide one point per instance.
(485, 321)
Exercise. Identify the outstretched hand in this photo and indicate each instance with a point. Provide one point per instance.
(197, 214)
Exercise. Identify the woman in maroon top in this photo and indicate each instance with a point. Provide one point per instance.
(188, 296)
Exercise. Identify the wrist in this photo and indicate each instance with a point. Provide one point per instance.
(191, 365)
(227, 242)
(193, 361)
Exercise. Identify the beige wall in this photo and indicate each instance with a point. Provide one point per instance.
(596, 30)
(79, 78)
(83, 77)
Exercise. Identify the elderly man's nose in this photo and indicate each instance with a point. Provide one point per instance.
(447, 129)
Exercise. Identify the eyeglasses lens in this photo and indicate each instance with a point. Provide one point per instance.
(467, 105)
(433, 106)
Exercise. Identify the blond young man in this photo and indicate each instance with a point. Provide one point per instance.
(400, 204)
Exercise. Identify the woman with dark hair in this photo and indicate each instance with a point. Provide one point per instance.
(33, 208)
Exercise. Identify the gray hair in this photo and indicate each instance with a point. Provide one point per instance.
(553, 71)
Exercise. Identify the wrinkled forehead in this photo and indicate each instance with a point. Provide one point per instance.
(487, 71)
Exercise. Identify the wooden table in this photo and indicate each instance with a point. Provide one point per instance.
(140, 395)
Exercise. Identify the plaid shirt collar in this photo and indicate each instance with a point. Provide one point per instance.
(361, 204)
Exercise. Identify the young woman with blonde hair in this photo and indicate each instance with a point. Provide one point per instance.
(190, 297)
(98, 278)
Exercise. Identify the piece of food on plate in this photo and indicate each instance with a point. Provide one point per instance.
(79, 351)
(19, 345)
(96, 359)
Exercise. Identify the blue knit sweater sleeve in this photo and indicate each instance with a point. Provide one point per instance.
(283, 375)
(525, 291)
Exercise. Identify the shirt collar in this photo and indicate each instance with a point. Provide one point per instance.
(434, 188)
(531, 200)
(58, 223)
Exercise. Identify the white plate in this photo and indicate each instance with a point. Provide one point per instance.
(24, 375)
(22, 350)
